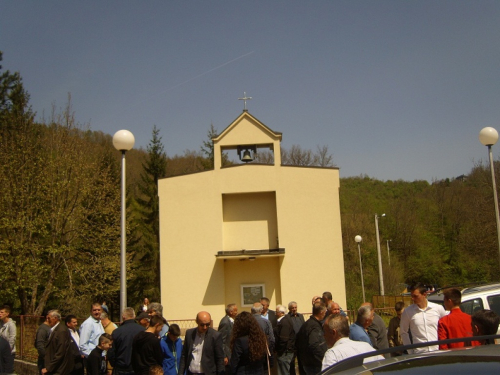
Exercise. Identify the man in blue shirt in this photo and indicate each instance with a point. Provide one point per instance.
(90, 330)
(358, 329)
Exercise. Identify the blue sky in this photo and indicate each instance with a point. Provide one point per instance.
(395, 89)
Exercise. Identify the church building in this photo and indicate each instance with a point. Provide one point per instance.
(239, 232)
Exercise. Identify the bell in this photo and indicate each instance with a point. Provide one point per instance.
(247, 157)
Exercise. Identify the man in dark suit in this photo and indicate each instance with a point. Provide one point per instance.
(58, 356)
(120, 354)
(268, 314)
(297, 322)
(377, 331)
(310, 341)
(284, 336)
(225, 329)
(203, 351)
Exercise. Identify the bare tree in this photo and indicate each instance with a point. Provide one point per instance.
(324, 158)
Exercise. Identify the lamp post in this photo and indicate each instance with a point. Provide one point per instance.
(123, 140)
(388, 253)
(379, 255)
(358, 239)
(489, 136)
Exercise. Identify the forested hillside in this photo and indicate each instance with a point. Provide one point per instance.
(440, 233)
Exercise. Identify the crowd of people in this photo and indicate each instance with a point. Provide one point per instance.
(246, 343)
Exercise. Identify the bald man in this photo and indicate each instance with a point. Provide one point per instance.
(203, 351)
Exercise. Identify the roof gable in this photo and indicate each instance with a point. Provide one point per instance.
(246, 130)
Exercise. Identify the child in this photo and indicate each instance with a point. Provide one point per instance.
(96, 361)
(156, 370)
(171, 346)
(393, 332)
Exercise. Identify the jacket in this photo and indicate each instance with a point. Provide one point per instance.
(240, 359)
(284, 336)
(8, 332)
(120, 353)
(172, 352)
(310, 343)
(58, 353)
(212, 357)
(268, 330)
(378, 333)
(146, 352)
(226, 328)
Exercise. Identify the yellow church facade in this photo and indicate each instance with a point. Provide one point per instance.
(234, 234)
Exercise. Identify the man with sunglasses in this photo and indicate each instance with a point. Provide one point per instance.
(203, 351)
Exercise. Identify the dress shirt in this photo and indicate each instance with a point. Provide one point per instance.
(346, 348)
(195, 365)
(423, 325)
(75, 336)
(90, 330)
(454, 325)
(358, 333)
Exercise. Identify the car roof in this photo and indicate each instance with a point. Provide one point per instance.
(480, 288)
(355, 365)
(438, 295)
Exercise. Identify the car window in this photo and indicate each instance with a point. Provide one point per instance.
(494, 302)
(470, 307)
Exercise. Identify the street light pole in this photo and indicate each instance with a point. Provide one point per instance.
(388, 253)
(123, 140)
(358, 239)
(379, 255)
(489, 136)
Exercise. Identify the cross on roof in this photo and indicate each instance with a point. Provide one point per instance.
(245, 98)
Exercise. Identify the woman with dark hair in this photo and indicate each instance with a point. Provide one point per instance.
(248, 346)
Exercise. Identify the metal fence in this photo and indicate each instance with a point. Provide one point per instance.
(27, 326)
(390, 301)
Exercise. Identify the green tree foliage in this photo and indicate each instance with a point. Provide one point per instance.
(146, 213)
(442, 233)
(59, 230)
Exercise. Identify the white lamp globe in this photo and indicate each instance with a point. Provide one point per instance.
(488, 136)
(123, 140)
(357, 239)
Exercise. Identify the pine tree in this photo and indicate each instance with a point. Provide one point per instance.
(147, 228)
(208, 150)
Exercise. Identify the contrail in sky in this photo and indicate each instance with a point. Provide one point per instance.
(208, 71)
